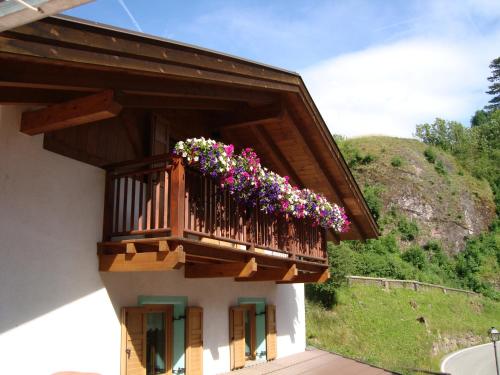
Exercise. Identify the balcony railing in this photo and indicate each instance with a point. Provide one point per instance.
(159, 196)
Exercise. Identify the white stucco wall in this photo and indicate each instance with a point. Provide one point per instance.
(57, 312)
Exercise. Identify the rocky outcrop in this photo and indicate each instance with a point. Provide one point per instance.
(448, 205)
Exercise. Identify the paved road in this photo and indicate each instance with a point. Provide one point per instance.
(477, 360)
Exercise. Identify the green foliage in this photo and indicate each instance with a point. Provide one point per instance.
(372, 195)
(408, 229)
(380, 327)
(494, 88)
(396, 161)
(430, 155)
(482, 252)
(439, 167)
(477, 148)
(353, 156)
(415, 255)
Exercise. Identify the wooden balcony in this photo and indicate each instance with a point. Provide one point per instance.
(161, 215)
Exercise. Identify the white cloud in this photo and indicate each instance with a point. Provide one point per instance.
(388, 89)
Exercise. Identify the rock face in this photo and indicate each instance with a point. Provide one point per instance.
(446, 203)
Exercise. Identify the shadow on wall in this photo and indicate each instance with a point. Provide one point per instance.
(288, 301)
(51, 218)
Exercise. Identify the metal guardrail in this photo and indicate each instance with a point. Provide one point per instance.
(409, 284)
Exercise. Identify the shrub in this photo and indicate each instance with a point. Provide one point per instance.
(439, 167)
(415, 256)
(408, 229)
(430, 155)
(396, 161)
(372, 195)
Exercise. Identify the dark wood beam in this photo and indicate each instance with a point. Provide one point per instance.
(160, 102)
(278, 274)
(72, 55)
(75, 112)
(236, 269)
(56, 32)
(19, 71)
(26, 95)
(313, 277)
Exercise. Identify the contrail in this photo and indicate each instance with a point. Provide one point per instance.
(134, 21)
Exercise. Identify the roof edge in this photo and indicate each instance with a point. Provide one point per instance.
(117, 29)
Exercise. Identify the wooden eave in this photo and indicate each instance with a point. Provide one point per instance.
(62, 58)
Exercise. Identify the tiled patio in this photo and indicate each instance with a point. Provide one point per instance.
(312, 361)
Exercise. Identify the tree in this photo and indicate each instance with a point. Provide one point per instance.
(494, 88)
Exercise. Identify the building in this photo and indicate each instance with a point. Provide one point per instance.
(119, 258)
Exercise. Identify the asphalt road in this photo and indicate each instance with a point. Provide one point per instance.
(477, 360)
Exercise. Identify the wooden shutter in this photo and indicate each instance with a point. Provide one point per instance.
(194, 341)
(133, 356)
(237, 336)
(271, 346)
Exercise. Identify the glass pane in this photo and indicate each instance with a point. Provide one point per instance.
(155, 343)
(247, 334)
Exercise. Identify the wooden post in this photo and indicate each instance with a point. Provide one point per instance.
(107, 223)
(177, 197)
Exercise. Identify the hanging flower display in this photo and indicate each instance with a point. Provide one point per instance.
(249, 182)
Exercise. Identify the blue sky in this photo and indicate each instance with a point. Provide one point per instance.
(373, 67)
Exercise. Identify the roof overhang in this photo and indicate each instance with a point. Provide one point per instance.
(16, 13)
(63, 57)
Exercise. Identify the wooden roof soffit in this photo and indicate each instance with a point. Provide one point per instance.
(256, 116)
(74, 112)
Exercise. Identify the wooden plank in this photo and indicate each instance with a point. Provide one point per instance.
(235, 269)
(75, 112)
(313, 277)
(271, 340)
(237, 336)
(59, 32)
(70, 55)
(149, 261)
(279, 274)
(194, 340)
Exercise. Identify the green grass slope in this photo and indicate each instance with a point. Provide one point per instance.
(383, 328)
(424, 184)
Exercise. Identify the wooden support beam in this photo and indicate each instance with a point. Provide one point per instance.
(236, 269)
(131, 249)
(150, 261)
(163, 246)
(313, 277)
(274, 153)
(279, 274)
(256, 116)
(75, 112)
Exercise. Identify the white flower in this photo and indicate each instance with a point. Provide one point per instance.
(184, 154)
(196, 158)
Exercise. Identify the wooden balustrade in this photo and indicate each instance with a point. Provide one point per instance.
(211, 212)
(159, 196)
(137, 198)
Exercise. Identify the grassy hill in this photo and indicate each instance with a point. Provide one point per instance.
(381, 327)
(424, 184)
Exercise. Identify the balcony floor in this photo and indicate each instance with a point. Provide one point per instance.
(312, 361)
(203, 260)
